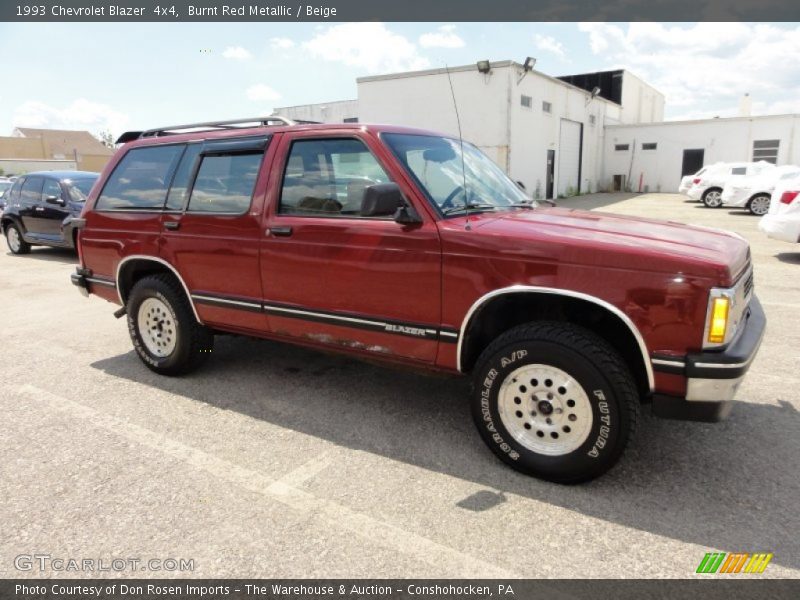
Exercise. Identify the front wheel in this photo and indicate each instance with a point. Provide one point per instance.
(759, 205)
(555, 401)
(16, 243)
(163, 329)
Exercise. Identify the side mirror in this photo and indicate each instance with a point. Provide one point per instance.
(382, 200)
(54, 200)
(407, 215)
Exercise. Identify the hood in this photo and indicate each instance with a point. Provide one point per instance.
(617, 241)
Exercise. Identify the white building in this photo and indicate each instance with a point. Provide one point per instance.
(561, 136)
(653, 157)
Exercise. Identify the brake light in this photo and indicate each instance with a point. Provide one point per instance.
(696, 180)
(788, 197)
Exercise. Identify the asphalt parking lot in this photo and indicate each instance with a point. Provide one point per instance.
(274, 461)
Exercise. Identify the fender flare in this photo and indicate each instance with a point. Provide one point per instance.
(531, 289)
(161, 261)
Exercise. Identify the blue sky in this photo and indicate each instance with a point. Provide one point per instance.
(130, 76)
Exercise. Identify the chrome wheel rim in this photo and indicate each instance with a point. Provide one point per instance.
(157, 327)
(760, 206)
(545, 409)
(13, 239)
(713, 199)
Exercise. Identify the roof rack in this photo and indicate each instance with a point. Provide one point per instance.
(271, 121)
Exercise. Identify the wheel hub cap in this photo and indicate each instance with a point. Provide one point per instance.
(157, 327)
(13, 239)
(545, 409)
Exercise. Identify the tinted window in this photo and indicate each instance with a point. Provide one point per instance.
(225, 183)
(176, 199)
(79, 188)
(328, 177)
(32, 190)
(141, 178)
(738, 170)
(14, 193)
(51, 188)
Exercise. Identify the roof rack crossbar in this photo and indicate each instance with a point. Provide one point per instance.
(262, 121)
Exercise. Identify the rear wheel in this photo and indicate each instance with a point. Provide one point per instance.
(759, 205)
(713, 198)
(555, 401)
(163, 329)
(15, 241)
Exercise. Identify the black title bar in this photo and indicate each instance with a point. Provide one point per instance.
(175, 11)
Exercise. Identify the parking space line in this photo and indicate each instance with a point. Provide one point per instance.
(450, 561)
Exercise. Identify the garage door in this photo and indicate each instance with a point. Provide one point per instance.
(569, 161)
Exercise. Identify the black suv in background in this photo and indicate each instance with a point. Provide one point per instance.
(40, 208)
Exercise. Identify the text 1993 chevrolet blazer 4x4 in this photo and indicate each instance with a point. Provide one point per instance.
(411, 247)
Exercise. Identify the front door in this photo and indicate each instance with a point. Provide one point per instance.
(551, 174)
(692, 161)
(332, 276)
(53, 211)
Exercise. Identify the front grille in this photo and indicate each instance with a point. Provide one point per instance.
(748, 284)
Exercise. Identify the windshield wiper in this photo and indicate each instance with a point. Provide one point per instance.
(466, 207)
(520, 205)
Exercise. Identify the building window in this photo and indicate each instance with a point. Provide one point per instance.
(592, 119)
(526, 101)
(622, 147)
(350, 120)
(766, 150)
(547, 107)
(650, 146)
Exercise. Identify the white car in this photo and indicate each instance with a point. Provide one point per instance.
(688, 180)
(754, 192)
(783, 220)
(710, 184)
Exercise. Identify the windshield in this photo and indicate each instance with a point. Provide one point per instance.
(436, 164)
(79, 188)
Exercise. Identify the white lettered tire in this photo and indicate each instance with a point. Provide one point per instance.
(165, 334)
(554, 400)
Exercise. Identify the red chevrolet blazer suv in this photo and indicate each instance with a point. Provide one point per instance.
(411, 247)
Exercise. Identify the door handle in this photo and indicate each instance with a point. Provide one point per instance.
(283, 231)
(172, 225)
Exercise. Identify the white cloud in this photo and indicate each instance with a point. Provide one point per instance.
(368, 46)
(444, 37)
(260, 93)
(237, 53)
(80, 114)
(281, 43)
(549, 44)
(704, 69)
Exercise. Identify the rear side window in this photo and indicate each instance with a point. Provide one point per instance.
(225, 183)
(13, 193)
(32, 189)
(141, 179)
(178, 193)
(739, 171)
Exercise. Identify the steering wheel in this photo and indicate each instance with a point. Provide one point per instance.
(448, 202)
